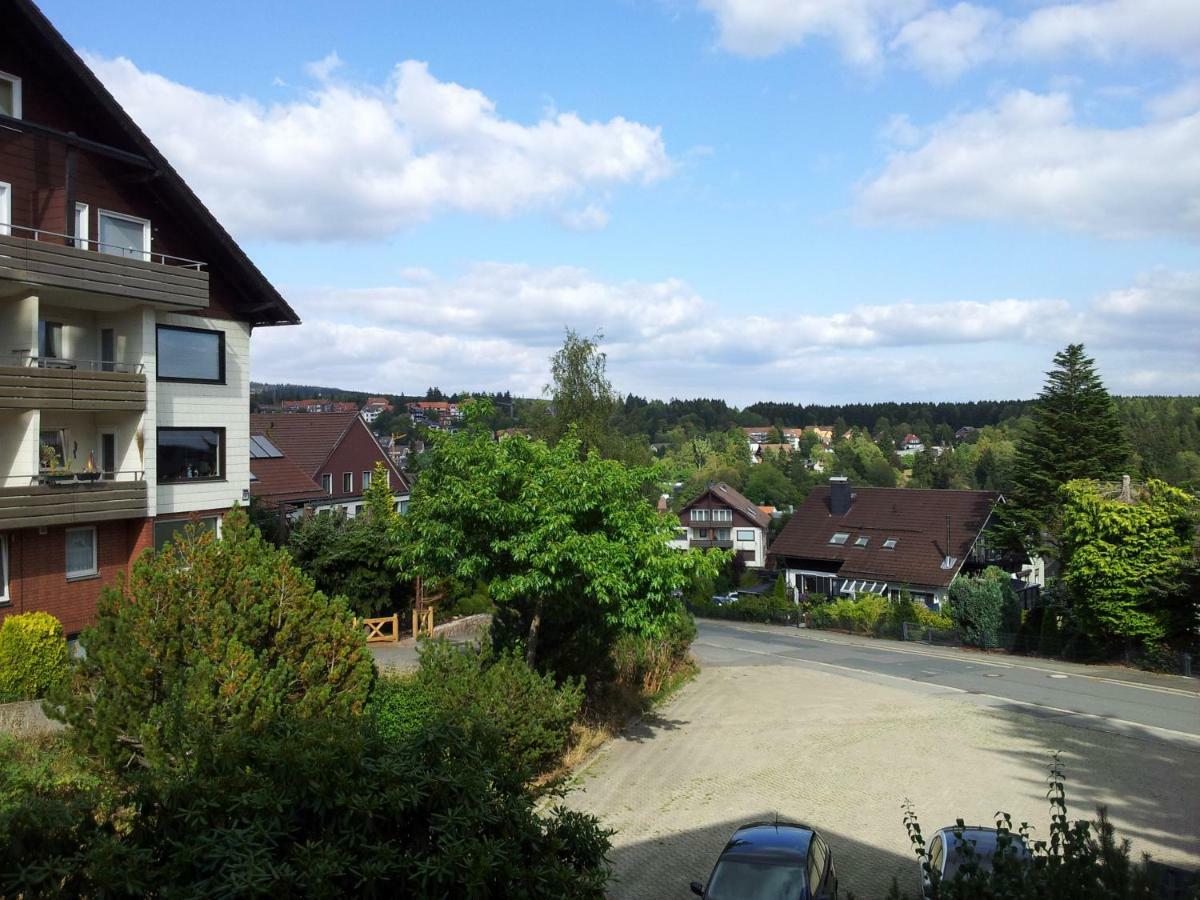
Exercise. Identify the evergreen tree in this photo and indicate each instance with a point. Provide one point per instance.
(1074, 433)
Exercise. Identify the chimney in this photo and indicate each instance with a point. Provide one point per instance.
(839, 496)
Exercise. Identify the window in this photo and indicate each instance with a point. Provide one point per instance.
(81, 552)
(722, 515)
(861, 541)
(357, 510)
(81, 225)
(165, 532)
(348, 483)
(890, 544)
(722, 534)
(327, 483)
(840, 538)
(745, 534)
(402, 507)
(188, 454)
(699, 515)
(191, 354)
(366, 480)
(10, 95)
(4, 596)
(53, 450)
(681, 534)
(123, 235)
(5, 207)
(701, 534)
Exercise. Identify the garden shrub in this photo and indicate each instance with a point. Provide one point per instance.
(766, 608)
(314, 808)
(984, 607)
(473, 688)
(33, 656)
(644, 666)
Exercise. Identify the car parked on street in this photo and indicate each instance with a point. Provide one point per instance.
(772, 861)
(947, 851)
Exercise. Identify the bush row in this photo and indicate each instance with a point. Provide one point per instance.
(875, 614)
(768, 608)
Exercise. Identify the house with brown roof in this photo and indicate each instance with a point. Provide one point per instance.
(334, 451)
(844, 541)
(721, 518)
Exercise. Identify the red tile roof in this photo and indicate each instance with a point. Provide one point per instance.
(915, 518)
(306, 440)
(278, 479)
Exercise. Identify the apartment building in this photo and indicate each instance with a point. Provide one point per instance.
(125, 319)
(723, 519)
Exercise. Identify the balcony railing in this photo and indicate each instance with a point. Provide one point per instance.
(711, 545)
(50, 258)
(73, 498)
(35, 382)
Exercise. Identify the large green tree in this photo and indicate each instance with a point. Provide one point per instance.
(568, 543)
(1125, 560)
(1074, 433)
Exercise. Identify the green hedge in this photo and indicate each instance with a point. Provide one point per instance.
(768, 608)
(469, 687)
(984, 606)
(875, 614)
(33, 656)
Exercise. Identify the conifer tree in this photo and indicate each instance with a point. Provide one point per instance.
(1075, 433)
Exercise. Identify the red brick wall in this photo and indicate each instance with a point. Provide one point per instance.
(37, 563)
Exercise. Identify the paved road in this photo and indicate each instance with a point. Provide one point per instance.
(1105, 698)
(838, 732)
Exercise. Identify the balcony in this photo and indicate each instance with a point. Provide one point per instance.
(51, 260)
(73, 499)
(710, 545)
(77, 384)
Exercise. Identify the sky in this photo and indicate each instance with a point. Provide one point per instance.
(815, 201)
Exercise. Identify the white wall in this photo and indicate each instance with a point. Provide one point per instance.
(18, 446)
(18, 328)
(182, 405)
(757, 546)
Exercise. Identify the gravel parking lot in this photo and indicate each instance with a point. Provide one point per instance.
(753, 736)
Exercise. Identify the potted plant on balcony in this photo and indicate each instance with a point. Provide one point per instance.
(90, 472)
(53, 471)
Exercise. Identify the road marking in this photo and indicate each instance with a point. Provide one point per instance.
(1001, 675)
(1192, 738)
(808, 635)
(1058, 676)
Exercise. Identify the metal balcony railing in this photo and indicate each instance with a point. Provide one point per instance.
(58, 238)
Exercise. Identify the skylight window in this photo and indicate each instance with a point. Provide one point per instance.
(839, 538)
(890, 544)
(861, 540)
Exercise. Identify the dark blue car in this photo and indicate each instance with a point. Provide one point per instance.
(772, 861)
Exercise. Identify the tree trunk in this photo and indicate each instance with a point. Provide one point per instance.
(531, 640)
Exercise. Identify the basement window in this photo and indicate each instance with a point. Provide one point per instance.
(840, 538)
(890, 544)
(10, 95)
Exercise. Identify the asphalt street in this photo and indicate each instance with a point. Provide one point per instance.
(1102, 697)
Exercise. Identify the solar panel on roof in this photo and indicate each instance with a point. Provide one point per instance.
(261, 448)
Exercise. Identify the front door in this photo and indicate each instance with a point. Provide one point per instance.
(108, 454)
(108, 349)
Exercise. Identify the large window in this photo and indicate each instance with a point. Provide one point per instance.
(10, 95)
(81, 552)
(745, 534)
(122, 235)
(191, 354)
(327, 482)
(191, 454)
(699, 515)
(4, 596)
(165, 532)
(347, 482)
(52, 454)
(722, 515)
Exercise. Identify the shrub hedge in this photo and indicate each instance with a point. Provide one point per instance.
(767, 608)
(875, 614)
(33, 656)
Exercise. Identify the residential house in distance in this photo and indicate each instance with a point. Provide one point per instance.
(439, 414)
(307, 406)
(277, 481)
(911, 444)
(966, 433)
(337, 451)
(844, 541)
(125, 320)
(374, 408)
(722, 518)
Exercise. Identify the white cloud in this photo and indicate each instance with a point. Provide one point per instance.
(1027, 159)
(590, 218)
(353, 161)
(323, 68)
(495, 326)
(945, 40)
(1182, 100)
(943, 43)
(765, 27)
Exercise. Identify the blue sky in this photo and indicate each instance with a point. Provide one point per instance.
(807, 200)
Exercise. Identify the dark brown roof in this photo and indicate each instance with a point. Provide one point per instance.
(306, 439)
(257, 299)
(915, 518)
(724, 492)
(279, 480)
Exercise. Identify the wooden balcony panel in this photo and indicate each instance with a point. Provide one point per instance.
(711, 545)
(41, 505)
(29, 387)
(42, 263)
